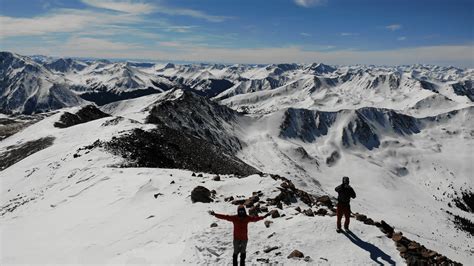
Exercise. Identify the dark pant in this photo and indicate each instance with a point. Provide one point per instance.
(343, 209)
(240, 246)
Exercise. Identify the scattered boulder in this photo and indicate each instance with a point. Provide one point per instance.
(275, 214)
(199, 175)
(267, 223)
(321, 212)
(325, 201)
(360, 217)
(397, 236)
(216, 178)
(308, 212)
(270, 249)
(229, 199)
(414, 245)
(201, 194)
(172, 182)
(157, 194)
(263, 260)
(369, 221)
(296, 254)
(194, 174)
(402, 249)
(213, 225)
(386, 228)
(238, 201)
(254, 211)
(298, 209)
(251, 201)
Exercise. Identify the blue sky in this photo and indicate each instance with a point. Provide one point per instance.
(246, 31)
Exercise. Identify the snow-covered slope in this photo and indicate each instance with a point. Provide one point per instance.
(403, 134)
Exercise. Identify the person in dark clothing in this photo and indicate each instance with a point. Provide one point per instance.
(240, 221)
(345, 193)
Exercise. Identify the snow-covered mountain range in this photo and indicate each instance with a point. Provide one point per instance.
(115, 179)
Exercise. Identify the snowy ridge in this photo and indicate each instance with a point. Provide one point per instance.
(403, 134)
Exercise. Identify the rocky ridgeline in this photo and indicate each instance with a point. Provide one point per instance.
(85, 114)
(413, 252)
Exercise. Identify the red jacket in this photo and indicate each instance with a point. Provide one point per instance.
(240, 224)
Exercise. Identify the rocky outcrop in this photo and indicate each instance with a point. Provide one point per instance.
(16, 153)
(165, 147)
(198, 116)
(86, 114)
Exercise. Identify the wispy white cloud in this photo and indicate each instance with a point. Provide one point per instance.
(305, 34)
(393, 27)
(125, 6)
(62, 20)
(345, 34)
(401, 38)
(189, 12)
(310, 3)
(78, 44)
(134, 7)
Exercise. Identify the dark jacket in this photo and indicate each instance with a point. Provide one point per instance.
(345, 194)
(240, 224)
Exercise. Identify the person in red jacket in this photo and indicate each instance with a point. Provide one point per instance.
(240, 221)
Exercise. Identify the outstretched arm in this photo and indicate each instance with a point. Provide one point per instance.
(258, 218)
(338, 188)
(223, 217)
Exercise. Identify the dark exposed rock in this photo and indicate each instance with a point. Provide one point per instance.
(201, 194)
(254, 211)
(397, 236)
(214, 225)
(165, 147)
(270, 249)
(321, 212)
(465, 202)
(361, 217)
(333, 158)
(85, 114)
(216, 178)
(16, 153)
(308, 212)
(369, 221)
(296, 254)
(267, 223)
(275, 213)
(386, 228)
(464, 88)
(199, 117)
(325, 201)
(301, 124)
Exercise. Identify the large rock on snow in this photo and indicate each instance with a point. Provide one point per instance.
(201, 194)
(296, 254)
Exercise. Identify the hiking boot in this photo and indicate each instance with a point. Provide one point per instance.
(339, 230)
